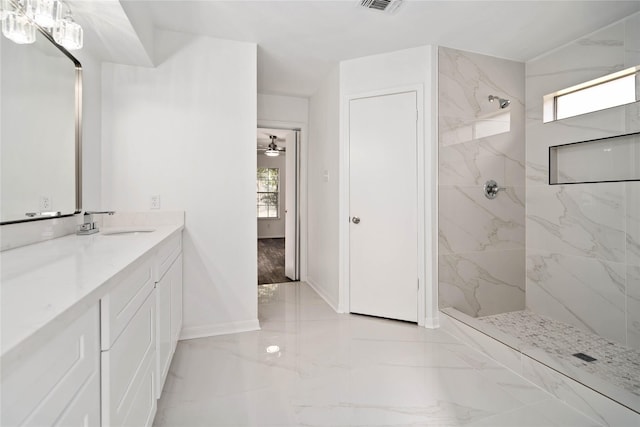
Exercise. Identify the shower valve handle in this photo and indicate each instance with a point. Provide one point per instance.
(491, 189)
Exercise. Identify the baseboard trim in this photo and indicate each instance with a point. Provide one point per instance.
(323, 295)
(432, 322)
(219, 329)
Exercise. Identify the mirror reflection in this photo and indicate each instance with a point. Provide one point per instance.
(38, 130)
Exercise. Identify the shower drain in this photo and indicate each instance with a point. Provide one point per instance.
(585, 357)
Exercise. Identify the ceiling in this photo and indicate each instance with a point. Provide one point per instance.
(299, 41)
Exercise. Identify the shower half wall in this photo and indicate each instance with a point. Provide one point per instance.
(481, 241)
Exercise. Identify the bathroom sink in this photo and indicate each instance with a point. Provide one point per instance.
(120, 232)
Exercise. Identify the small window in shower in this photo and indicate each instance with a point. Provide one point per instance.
(605, 92)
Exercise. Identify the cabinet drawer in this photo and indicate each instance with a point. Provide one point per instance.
(122, 303)
(44, 387)
(167, 253)
(127, 365)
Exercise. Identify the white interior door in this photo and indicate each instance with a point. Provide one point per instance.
(383, 206)
(291, 206)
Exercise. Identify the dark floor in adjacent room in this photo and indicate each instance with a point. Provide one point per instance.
(271, 261)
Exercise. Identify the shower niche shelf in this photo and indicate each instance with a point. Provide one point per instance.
(611, 159)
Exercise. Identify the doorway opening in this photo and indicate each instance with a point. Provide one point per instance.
(277, 205)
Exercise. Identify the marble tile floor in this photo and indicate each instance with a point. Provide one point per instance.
(615, 363)
(309, 366)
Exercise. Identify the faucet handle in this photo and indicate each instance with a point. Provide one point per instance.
(88, 226)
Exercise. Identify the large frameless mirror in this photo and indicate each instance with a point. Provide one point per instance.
(40, 141)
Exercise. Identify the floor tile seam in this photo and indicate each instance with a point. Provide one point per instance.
(512, 410)
(278, 321)
(529, 383)
(171, 403)
(398, 341)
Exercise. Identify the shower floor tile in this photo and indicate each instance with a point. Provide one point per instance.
(614, 363)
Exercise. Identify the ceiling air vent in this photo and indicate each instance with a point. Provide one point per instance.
(381, 5)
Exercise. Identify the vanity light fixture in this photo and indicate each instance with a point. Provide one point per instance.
(69, 33)
(18, 28)
(20, 18)
(46, 13)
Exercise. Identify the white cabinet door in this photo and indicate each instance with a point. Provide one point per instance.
(58, 384)
(128, 372)
(84, 410)
(169, 315)
(176, 302)
(164, 343)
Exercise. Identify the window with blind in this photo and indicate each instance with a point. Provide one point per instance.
(268, 196)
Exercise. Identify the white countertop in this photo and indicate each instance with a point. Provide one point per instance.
(47, 285)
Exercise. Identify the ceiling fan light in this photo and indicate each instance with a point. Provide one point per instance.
(272, 151)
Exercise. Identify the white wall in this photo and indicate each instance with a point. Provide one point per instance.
(186, 131)
(274, 227)
(398, 70)
(282, 109)
(324, 135)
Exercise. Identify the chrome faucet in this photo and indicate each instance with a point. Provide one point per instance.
(88, 226)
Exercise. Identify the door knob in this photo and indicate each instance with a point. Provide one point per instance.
(355, 220)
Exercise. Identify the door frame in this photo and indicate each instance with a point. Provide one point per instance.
(344, 195)
(301, 128)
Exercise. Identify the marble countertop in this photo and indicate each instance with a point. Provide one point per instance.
(45, 286)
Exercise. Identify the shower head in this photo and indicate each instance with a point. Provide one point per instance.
(504, 103)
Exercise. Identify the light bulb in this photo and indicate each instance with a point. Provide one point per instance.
(18, 28)
(69, 34)
(8, 6)
(46, 13)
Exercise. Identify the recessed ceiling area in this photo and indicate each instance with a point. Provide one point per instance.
(299, 41)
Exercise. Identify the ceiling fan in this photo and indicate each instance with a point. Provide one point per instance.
(272, 150)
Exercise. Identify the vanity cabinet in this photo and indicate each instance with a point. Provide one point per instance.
(128, 327)
(102, 357)
(169, 306)
(58, 384)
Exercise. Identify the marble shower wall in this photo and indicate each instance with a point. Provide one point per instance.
(481, 241)
(583, 240)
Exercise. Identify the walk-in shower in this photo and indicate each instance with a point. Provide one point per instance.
(551, 271)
